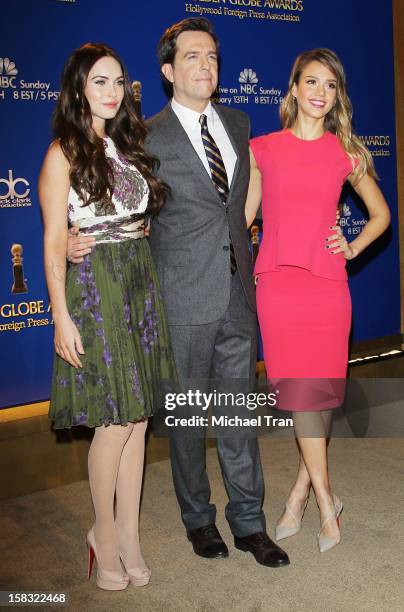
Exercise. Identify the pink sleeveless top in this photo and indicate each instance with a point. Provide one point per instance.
(301, 186)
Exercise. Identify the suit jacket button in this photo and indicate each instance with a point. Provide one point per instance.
(226, 248)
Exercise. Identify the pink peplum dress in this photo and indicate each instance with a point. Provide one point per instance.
(303, 300)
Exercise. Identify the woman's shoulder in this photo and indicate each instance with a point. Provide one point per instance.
(55, 151)
(266, 142)
(341, 158)
(55, 159)
(332, 141)
(269, 138)
(336, 145)
(267, 146)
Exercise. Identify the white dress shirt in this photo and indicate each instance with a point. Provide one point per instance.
(189, 120)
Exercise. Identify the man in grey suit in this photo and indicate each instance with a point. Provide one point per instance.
(210, 303)
(200, 245)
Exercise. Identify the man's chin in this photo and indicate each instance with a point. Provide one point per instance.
(204, 92)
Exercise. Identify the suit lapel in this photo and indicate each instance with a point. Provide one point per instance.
(178, 140)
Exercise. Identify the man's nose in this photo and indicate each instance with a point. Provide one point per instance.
(204, 63)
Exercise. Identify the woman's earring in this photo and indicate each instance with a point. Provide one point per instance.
(77, 96)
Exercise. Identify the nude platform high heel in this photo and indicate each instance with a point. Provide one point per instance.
(137, 576)
(107, 580)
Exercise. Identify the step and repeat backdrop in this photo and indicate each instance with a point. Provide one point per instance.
(259, 41)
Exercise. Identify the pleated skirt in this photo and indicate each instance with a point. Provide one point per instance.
(113, 297)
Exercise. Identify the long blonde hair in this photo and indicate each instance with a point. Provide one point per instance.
(338, 120)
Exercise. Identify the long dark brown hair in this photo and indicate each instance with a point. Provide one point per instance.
(90, 172)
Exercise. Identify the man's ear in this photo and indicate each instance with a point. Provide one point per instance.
(167, 70)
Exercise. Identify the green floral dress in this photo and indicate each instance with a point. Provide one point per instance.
(113, 298)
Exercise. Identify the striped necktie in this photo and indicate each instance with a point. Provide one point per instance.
(218, 174)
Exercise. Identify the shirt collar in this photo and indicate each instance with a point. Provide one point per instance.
(189, 117)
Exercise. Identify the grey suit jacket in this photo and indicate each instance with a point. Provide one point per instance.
(189, 238)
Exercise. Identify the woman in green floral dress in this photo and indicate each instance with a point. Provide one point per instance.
(111, 336)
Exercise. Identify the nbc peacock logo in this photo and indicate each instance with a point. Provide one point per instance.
(248, 76)
(248, 81)
(346, 210)
(350, 222)
(7, 66)
(8, 72)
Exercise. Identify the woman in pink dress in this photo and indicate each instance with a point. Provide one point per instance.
(303, 300)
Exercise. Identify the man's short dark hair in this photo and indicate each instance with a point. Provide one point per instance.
(167, 47)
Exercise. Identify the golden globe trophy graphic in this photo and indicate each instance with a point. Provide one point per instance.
(19, 284)
(137, 94)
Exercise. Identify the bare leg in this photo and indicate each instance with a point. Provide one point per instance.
(327, 420)
(301, 488)
(103, 464)
(297, 496)
(128, 491)
(314, 453)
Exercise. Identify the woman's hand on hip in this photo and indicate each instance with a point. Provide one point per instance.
(337, 243)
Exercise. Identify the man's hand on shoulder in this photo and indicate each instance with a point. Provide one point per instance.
(78, 246)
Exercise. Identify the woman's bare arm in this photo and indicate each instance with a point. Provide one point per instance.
(54, 187)
(379, 220)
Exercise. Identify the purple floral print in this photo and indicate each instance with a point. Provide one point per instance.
(92, 303)
(149, 323)
(62, 381)
(79, 419)
(79, 380)
(130, 186)
(106, 355)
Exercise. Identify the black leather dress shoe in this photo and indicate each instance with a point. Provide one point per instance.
(264, 550)
(207, 542)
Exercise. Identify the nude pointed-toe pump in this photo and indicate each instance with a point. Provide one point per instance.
(285, 531)
(326, 543)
